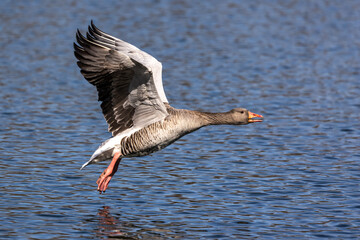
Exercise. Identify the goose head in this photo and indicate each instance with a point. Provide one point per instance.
(241, 116)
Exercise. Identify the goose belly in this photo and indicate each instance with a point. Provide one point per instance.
(153, 138)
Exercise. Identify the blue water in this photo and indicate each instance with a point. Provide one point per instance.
(294, 176)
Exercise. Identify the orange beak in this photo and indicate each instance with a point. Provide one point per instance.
(254, 115)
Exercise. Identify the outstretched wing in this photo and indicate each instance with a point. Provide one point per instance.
(128, 80)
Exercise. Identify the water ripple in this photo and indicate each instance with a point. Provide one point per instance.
(296, 175)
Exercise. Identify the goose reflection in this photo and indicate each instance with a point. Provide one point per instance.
(110, 226)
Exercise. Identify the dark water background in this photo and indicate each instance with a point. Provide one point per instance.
(296, 175)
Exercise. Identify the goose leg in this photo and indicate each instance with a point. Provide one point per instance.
(107, 174)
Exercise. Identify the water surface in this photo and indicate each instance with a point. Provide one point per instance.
(296, 175)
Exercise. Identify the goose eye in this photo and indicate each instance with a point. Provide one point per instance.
(242, 112)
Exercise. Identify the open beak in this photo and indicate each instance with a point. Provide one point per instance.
(254, 115)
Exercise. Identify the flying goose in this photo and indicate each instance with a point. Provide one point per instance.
(133, 101)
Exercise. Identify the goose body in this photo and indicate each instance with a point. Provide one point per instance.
(134, 103)
(151, 138)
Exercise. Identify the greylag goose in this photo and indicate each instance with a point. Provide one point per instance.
(134, 104)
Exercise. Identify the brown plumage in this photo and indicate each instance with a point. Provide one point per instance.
(134, 103)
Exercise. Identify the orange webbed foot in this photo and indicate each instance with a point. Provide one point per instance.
(108, 173)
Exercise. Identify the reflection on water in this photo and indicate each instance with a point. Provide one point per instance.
(112, 227)
(296, 175)
(108, 225)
